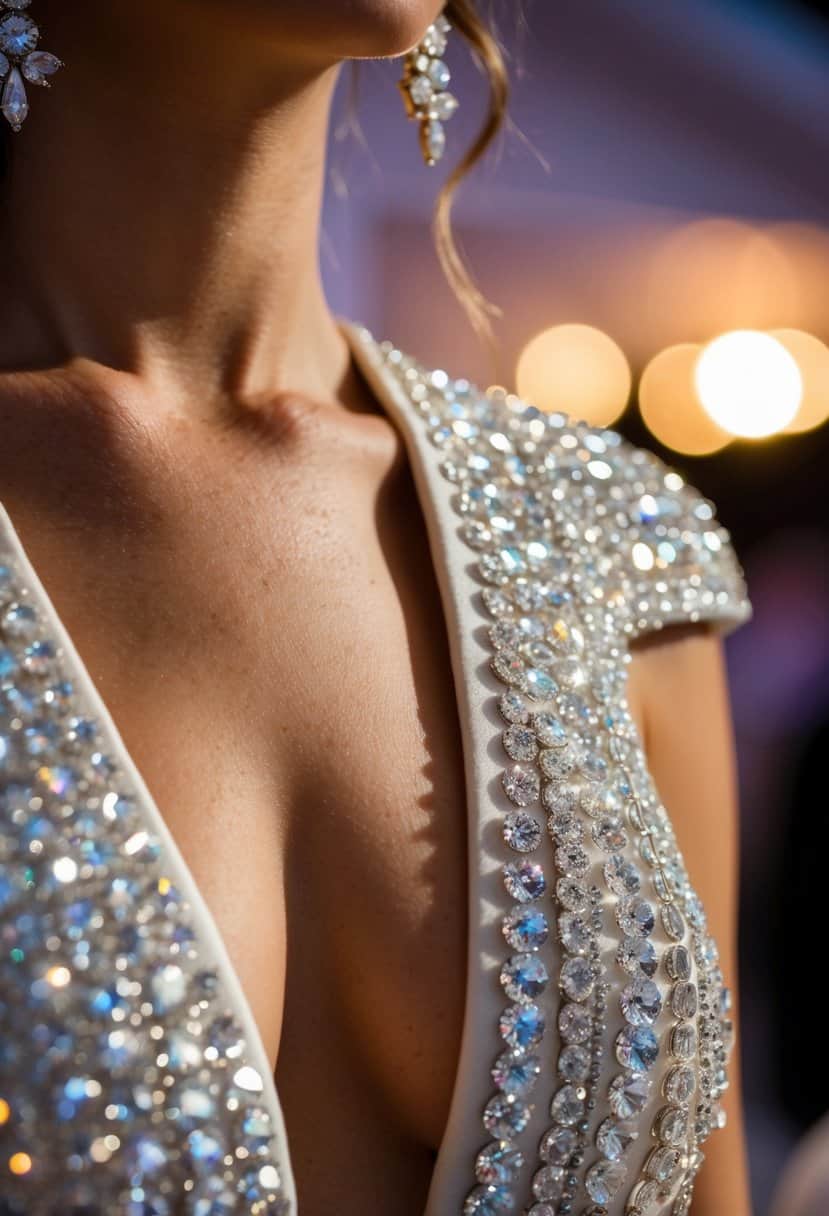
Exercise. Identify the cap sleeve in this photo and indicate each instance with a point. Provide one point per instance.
(677, 561)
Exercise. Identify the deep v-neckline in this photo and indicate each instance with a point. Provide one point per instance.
(448, 1182)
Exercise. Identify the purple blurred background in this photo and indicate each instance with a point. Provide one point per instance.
(631, 118)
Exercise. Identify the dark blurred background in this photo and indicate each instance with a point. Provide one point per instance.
(664, 183)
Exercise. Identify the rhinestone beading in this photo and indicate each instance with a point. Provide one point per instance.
(583, 542)
(126, 1082)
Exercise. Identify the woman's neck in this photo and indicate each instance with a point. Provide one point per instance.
(161, 218)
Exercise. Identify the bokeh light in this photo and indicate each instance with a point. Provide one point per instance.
(812, 358)
(671, 408)
(715, 274)
(748, 382)
(575, 369)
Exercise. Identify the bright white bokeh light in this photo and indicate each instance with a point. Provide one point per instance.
(748, 382)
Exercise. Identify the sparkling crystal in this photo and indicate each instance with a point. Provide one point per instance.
(678, 963)
(565, 827)
(434, 138)
(510, 667)
(524, 977)
(571, 673)
(558, 1145)
(525, 928)
(603, 1180)
(521, 785)
(672, 1125)
(641, 1002)
(684, 999)
(572, 860)
(420, 90)
(672, 921)
(635, 916)
(637, 954)
(496, 602)
(549, 730)
(621, 876)
(505, 1116)
(487, 1200)
(597, 802)
(539, 653)
(19, 621)
(628, 1094)
(662, 1164)
(577, 979)
(434, 41)
(574, 1063)
(521, 1025)
(637, 1048)
(524, 880)
(574, 1023)
(522, 832)
(548, 1183)
(38, 65)
(540, 684)
(18, 35)
(614, 1137)
(568, 1105)
(520, 743)
(516, 1072)
(684, 1041)
(498, 1162)
(513, 707)
(557, 762)
(575, 934)
(13, 101)
(609, 834)
(572, 894)
(439, 73)
(679, 1083)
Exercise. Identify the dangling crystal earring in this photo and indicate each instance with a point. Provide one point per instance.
(425, 77)
(18, 58)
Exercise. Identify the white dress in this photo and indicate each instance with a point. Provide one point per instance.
(133, 1078)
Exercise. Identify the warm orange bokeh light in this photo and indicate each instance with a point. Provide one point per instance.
(717, 274)
(671, 408)
(812, 357)
(577, 370)
(20, 1163)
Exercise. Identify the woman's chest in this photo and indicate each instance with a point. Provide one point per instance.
(289, 699)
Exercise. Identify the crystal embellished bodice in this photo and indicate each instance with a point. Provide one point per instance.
(596, 1032)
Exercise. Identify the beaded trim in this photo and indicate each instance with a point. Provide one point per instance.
(583, 542)
(126, 1082)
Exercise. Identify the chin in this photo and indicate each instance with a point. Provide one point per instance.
(348, 29)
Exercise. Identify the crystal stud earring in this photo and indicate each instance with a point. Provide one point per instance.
(19, 59)
(425, 77)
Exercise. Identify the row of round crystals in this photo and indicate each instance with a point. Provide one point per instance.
(525, 663)
(541, 737)
(86, 854)
(525, 926)
(517, 558)
(666, 1165)
(505, 566)
(636, 1042)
